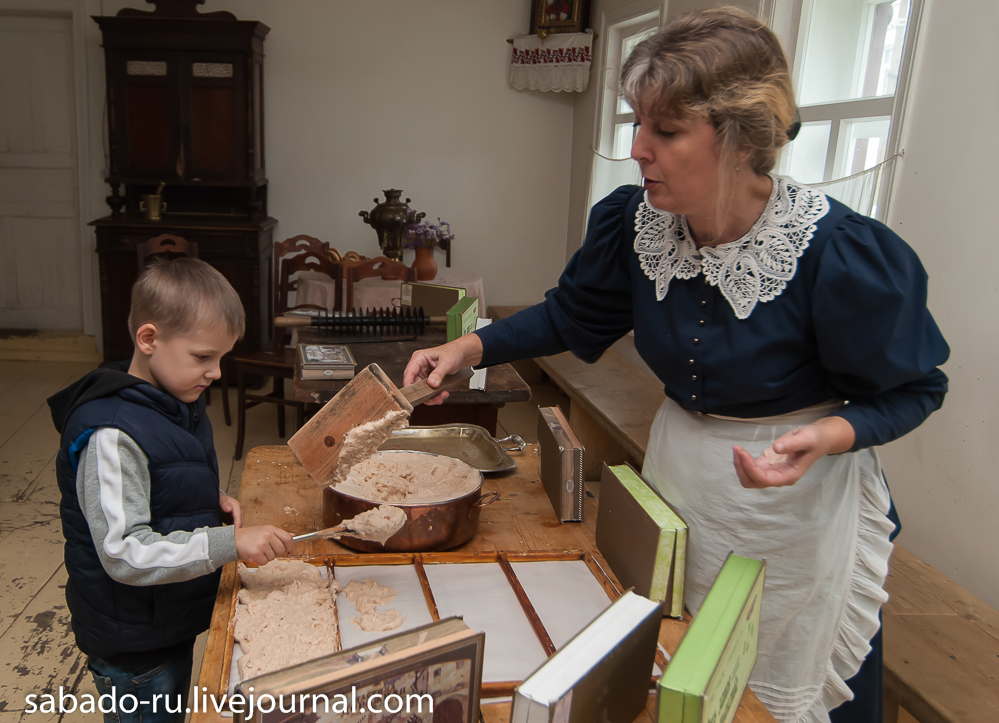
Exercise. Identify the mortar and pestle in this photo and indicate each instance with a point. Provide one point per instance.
(152, 204)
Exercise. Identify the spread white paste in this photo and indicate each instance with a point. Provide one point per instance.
(410, 477)
(286, 615)
(362, 441)
(378, 524)
(367, 595)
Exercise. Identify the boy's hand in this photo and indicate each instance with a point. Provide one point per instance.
(230, 505)
(262, 543)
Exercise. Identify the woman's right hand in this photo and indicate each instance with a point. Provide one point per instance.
(437, 362)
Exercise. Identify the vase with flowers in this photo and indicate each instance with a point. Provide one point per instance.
(423, 238)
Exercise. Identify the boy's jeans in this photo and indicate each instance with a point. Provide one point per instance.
(137, 690)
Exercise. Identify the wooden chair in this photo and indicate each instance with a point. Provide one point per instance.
(381, 266)
(446, 245)
(350, 258)
(278, 362)
(165, 245)
(169, 246)
(291, 247)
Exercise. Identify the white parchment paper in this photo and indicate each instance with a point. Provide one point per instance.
(565, 595)
(481, 594)
(409, 601)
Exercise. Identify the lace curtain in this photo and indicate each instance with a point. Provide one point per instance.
(859, 191)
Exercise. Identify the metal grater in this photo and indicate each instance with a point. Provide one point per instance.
(561, 464)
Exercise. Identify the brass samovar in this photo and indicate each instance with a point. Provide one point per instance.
(389, 219)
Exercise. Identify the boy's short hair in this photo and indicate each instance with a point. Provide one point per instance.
(182, 294)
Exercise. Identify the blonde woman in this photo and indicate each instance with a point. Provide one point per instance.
(791, 335)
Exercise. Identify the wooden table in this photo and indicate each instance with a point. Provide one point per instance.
(503, 384)
(522, 520)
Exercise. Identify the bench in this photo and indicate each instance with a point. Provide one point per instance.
(941, 643)
(941, 652)
(612, 403)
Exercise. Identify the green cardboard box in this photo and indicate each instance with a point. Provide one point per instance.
(461, 317)
(643, 540)
(705, 680)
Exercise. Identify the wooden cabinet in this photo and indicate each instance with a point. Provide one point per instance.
(185, 109)
(240, 250)
(185, 100)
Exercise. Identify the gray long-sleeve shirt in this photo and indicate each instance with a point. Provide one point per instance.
(113, 485)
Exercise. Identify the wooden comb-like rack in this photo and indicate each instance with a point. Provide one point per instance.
(380, 324)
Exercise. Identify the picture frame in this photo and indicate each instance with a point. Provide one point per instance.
(559, 16)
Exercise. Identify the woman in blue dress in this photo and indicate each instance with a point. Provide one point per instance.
(792, 337)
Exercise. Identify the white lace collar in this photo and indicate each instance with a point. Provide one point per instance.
(749, 270)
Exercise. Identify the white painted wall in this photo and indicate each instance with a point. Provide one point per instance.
(943, 476)
(365, 96)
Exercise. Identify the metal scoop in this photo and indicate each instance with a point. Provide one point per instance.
(350, 527)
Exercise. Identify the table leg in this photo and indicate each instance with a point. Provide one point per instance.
(892, 698)
(240, 411)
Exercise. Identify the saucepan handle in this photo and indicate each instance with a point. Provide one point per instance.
(517, 440)
(487, 499)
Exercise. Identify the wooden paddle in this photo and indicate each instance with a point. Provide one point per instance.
(369, 396)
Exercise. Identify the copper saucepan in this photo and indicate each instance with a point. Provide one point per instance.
(429, 526)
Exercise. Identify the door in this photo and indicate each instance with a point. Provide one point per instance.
(40, 281)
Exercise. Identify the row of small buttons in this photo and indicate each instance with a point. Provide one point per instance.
(700, 322)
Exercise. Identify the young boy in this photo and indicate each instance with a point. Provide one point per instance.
(141, 507)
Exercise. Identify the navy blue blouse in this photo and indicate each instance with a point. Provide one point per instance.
(851, 324)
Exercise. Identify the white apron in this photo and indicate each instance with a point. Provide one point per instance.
(825, 540)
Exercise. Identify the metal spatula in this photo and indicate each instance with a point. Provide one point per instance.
(344, 528)
(330, 533)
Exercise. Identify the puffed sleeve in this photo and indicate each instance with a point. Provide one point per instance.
(875, 335)
(590, 308)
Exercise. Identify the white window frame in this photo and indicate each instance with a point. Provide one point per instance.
(615, 25)
(786, 18)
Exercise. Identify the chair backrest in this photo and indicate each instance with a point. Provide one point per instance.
(294, 246)
(165, 245)
(292, 265)
(446, 245)
(381, 266)
(350, 258)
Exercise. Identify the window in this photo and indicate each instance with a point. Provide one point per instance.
(849, 69)
(612, 164)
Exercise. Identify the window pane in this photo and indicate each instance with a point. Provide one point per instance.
(627, 46)
(211, 70)
(609, 174)
(624, 133)
(146, 67)
(852, 49)
(806, 161)
(862, 144)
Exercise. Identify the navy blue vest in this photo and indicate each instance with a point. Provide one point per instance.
(108, 617)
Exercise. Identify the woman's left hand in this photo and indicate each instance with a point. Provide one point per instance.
(784, 462)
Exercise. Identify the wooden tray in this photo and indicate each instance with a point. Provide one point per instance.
(420, 561)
